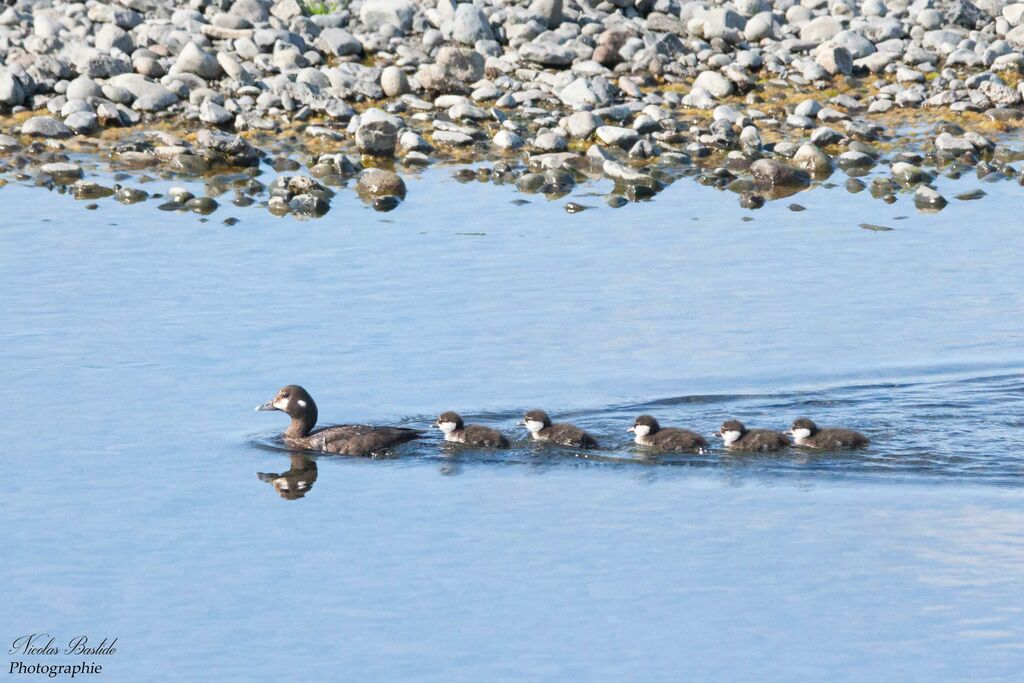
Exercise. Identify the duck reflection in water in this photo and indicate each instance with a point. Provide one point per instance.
(297, 481)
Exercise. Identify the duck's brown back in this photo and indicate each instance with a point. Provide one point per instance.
(672, 439)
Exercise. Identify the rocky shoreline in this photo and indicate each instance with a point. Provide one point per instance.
(763, 99)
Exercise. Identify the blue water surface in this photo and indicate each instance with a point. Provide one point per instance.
(135, 344)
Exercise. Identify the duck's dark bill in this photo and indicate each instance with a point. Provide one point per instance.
(269, 405)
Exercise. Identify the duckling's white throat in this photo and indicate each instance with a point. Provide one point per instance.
(731, 436)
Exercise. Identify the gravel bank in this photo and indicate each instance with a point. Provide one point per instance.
(761, 98)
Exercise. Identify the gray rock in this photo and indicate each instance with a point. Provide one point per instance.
(624, 174)
(45, 127)
(85, 189)
(83, 122)
(582, 124)
(82, 88)
(547, 53)
(286, 10)
(584, 92)
(759, 27)
(140, 86)
(507, 140)
(62, 171)
(451, 138)
(908, 174)
(378, 13)
(550, 142)
(952, 145)
(856, 44)
(1000, 94)
(927, 198)
(825, 136)
(220, 147)
(453, 68)
(714, 83)
(148, 66)
(376, 182)
(854, 162)
(338, 42)
(213, 113)
(111, 36)
(834, 59)
(309, 205)
(194, 60)
(393, 81)
(615, 136)
(377, 138)
(11, 92)
(548, 10)
(470, 25)
(770, 174)
(821, 29)
(811, 159)
(253, 11)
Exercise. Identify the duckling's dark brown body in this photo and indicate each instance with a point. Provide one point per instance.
(806, 434)
(651, 434)
(751, 440)
(673, 439)
(833, 439)
(485, 437)
(760, 440)
(478, 436)
(563, 434)
(362, 440)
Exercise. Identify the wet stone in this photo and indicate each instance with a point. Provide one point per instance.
(375, 182)
(130, 195)
(84, 189)
(62, 172)
(309, 204)
(202, 205)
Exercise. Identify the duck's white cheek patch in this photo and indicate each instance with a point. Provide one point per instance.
(800, 434)
(534, 425)
(281, 404)
(446, 427)
(641, 430)
(730, 437)
(302, 403)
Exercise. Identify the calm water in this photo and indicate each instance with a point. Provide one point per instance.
(135, 343)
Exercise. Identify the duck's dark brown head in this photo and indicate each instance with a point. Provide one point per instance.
(645, 425)
(298, 404)
(449, 421)
(731, 430)
(536, 420)
(802, 428)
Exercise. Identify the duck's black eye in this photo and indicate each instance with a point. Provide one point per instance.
(284, 395)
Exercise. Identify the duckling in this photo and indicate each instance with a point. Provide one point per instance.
(806, 434)
(471, 435)
(539, 425)
(361, 440)
(649, 433)
(739, 438)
